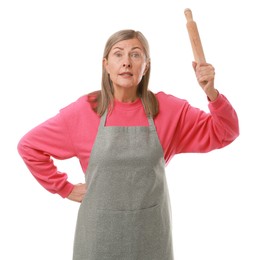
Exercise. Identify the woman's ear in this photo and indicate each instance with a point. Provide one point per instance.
(105, 65)
(147, 67)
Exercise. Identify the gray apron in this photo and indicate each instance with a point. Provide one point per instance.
(125, 214)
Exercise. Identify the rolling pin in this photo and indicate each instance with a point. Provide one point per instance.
(194, 37)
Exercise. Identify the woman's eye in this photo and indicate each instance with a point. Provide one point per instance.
(135, 55)
(118, 54)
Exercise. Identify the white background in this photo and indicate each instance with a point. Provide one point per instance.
(50, 54)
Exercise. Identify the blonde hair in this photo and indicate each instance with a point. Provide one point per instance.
(103, 100)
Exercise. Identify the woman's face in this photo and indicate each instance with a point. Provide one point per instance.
(126, 64)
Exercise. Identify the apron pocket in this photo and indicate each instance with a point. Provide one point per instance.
(129, 234)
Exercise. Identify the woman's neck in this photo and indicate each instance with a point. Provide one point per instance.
(126, 95)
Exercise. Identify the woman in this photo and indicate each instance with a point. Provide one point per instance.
(124, 135)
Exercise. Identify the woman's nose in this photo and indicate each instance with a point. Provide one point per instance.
(126, 62)
(126, 65)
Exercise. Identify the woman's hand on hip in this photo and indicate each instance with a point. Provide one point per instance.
(78, 192)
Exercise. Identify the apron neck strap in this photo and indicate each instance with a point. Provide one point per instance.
(149, 118)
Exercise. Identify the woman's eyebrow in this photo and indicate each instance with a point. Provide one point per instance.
(120, 48)
(136, 48)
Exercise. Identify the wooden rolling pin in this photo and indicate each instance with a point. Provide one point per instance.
(194, 37)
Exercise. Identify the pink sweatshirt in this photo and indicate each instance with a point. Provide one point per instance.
(181, 128)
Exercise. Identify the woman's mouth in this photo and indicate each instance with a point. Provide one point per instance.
(126, 74)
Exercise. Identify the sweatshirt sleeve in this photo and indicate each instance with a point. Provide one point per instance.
(40, 145)
(183, 128)
(202, 132)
